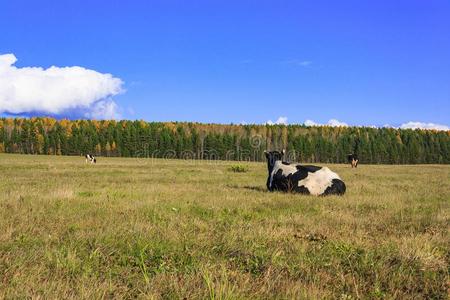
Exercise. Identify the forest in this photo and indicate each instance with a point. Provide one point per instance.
(185, 140)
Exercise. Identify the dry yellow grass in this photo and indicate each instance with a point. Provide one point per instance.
(128, 228)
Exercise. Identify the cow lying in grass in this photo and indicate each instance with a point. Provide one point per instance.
(90, 158)
(318, 181)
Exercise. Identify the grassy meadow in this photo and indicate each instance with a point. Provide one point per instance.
(174, 229)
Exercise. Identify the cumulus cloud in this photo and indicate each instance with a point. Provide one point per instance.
(331, 122)
(279, 121)
(57, 91)
(336, 123)
(310, 123)
(421, 125)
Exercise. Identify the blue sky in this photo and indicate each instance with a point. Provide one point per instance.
(360, 62)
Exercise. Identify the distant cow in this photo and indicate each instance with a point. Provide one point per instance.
(313, 180)
(90, 158)
(353, 160)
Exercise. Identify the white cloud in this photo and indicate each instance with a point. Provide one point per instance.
(331, 122)
(336, 123)
(279, 121)
(105, 109)
(421, 125)
(310, 123)
(57, 91)
(409, 125)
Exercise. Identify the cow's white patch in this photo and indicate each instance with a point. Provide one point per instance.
(90, 158)
(318, 181)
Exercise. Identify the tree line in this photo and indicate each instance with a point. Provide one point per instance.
(185, 140)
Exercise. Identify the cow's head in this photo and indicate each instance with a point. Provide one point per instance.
(273, 156)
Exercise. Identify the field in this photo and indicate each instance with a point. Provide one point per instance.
(173, 229)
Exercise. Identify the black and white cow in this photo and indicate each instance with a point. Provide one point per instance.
(312, 180)
(353, 160)
(90, 158)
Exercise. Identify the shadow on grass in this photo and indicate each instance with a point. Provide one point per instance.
(249, 187)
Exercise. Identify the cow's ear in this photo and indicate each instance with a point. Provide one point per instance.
(266, 154)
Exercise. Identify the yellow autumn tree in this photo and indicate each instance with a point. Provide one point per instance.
(113, 148)
(108, 149)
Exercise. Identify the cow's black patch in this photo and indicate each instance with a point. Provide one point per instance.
(285, 163)
(351, 157)
(308, 168)
(280, 182)
(337, 188)
(302, 172)
(268, 184)
(299, 175)
(302, 190)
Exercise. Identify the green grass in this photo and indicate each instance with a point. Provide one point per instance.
(239, 168)
(136, 228)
